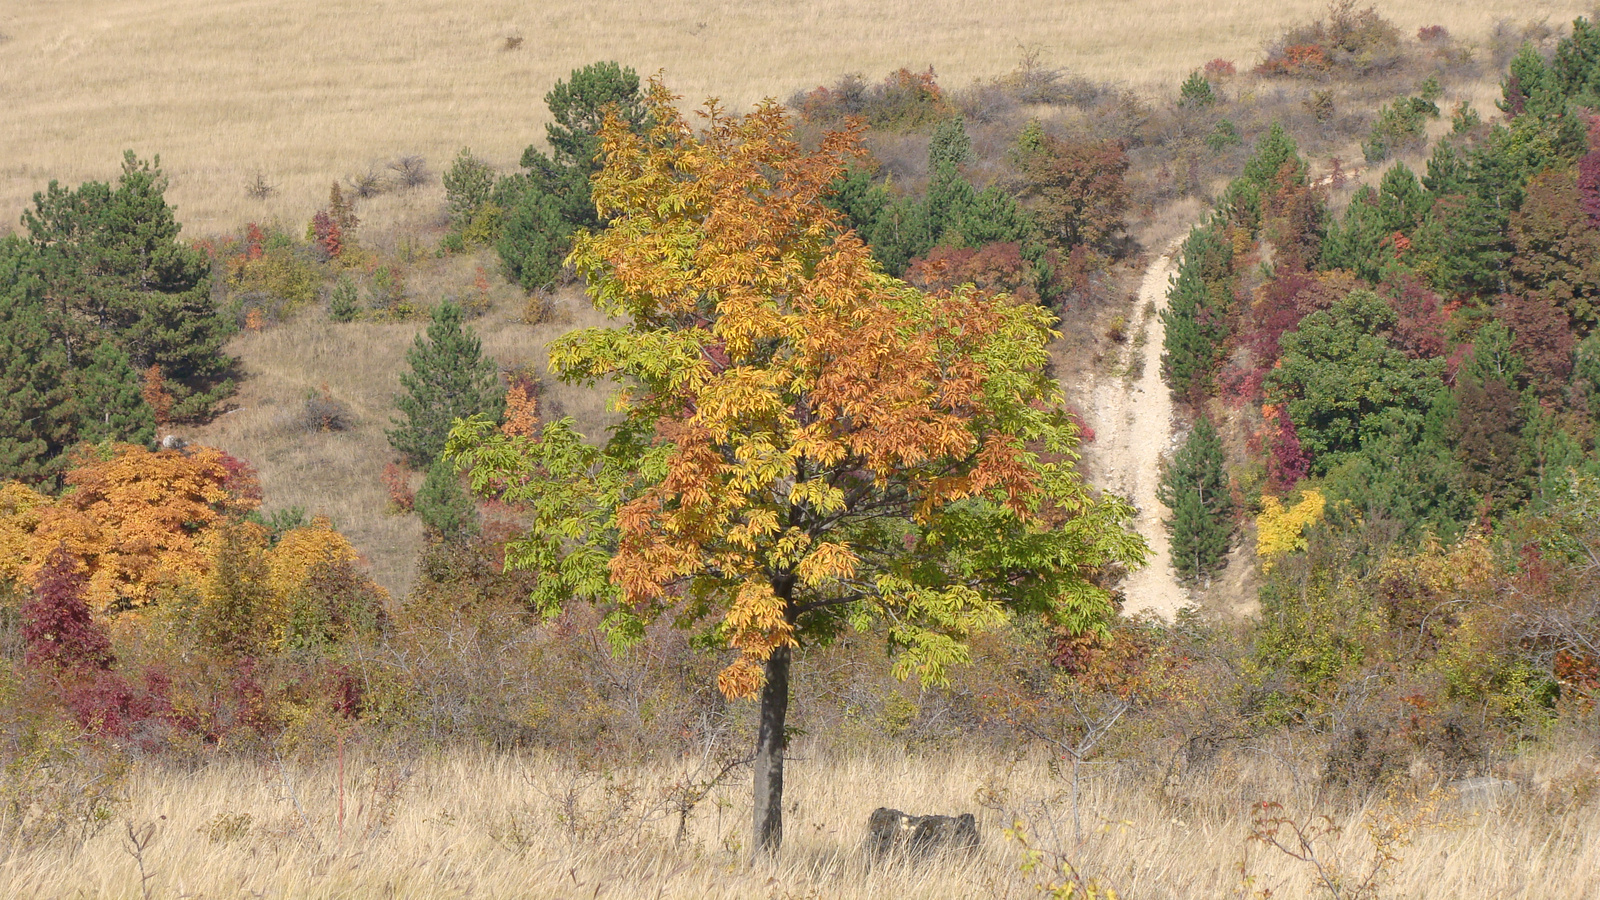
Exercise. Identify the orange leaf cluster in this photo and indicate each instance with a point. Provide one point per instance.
(155, 393)
(130, 518)
(522, 409)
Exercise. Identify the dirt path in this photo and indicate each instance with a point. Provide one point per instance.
(1130, 411)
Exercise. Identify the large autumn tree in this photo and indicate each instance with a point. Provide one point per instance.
(806, 444)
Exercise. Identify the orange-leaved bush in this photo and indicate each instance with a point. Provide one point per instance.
(130, 516)
(807, 444)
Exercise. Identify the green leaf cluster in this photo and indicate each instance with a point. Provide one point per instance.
(1341, 370)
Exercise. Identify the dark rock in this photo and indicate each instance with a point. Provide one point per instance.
(892, 831)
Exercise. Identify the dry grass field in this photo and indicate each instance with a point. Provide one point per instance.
(504, 825)
(306, 92)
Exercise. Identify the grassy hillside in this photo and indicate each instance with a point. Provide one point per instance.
(357, 367)
(304, 92)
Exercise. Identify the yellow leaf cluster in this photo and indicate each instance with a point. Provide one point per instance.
(1281, 529)
(297, 554)
(19, 518)
(756, 625)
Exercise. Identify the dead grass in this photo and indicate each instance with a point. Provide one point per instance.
(359, 364)
(506, 825)
(302, 93)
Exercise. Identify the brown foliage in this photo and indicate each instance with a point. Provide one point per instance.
(1558, 247)
(522, 405)
(997, 268)
(155, 393)
(1487, 434)
(1420, 316)
(1542, 337)
(1077, 191)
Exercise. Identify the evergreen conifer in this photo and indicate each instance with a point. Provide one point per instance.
(450, 379)
(1195, 488)
(442, 505)
(36, 408)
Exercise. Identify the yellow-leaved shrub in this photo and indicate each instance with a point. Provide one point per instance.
(1281, 529)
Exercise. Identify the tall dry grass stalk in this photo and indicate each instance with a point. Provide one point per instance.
(516, 825)
(243, 97)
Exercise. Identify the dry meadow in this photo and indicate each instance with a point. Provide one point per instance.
(301, 93)
(470, 824)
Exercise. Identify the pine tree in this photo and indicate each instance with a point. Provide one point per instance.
(450, 379)
(36, 407)
(579, 107)
(1195, 488)
(111, 405)
(1196, 317)
(547, 202)
(442, 505)
(950, 147)
(112, 266)
(534, 238)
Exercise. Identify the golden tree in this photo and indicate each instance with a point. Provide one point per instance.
(131, 517)
(806, 444)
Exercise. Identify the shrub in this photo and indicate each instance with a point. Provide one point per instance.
(1321, 106)
(1281, 530)
(903, 101)
(386, 290)
(236, 614)
(344, 304)
(1295, 59)
(1400, 127)
(1224, 135)
(410, 171)
(397, 483)
(270, 266)
(368, 184)
(324, 412)
(57, 627)
(1219, 68)
(1356, 41)
(326, 235)
(1196, 93)
(333, 603)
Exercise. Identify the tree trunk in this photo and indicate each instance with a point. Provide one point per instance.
(769, 754)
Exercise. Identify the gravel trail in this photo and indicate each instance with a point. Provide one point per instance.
(1131, 414)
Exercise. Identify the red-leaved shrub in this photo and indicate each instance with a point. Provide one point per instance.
(57, 627)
